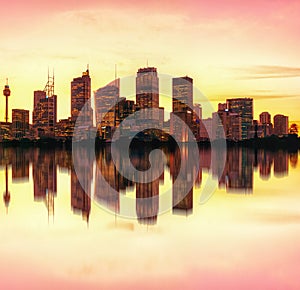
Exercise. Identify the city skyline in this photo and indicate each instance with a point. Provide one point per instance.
(234, 119)
(229, 50)
(68, 100)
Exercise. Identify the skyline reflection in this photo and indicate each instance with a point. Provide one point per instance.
(42, 167)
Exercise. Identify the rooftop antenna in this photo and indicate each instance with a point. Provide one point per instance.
(147, 63)
(88, 67)
(115, 71)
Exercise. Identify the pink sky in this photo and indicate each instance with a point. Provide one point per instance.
(230, 48)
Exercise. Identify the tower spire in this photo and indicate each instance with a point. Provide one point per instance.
(6, 93)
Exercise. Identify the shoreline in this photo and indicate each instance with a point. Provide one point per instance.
(290, 142)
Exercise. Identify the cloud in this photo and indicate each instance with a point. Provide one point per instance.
(256, 97)
(267, 72)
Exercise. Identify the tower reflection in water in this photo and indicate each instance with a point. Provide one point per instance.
(46, 164)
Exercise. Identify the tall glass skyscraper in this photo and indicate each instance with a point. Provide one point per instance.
(243, 107)
(80, 95)
(147, 90)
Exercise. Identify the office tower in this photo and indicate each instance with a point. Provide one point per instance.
(265, 118)
(197, 117)
(80, 95)
(222, 107)
(37, 96)
(161, 116)
(147, 91)
(182, 107)
(205, 129)
(64, 128)
(281, 125)
(124, 109)
(20, 123)
(44, 116)
(265, 121)
(198, 111)
(182, 89)
(243, 107)
(106, 107)
(231, 123)
(45, 110)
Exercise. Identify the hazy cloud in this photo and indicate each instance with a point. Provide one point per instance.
(267, 72)
(254, 96)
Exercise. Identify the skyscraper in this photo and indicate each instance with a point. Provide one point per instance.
(265, 121)
(106, 100)
(80, 95)
(230, 126)
(44, 113)
(182, 92)
(243, 107)
(20, 123)
(147, 90)
(265, 118)
(182, 105)
(281, 125)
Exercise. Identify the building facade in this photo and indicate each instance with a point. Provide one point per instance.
(182, 107)
(44, 114)
(243, 107)
(81, 95)
(281, 125)
(20, 123)
(147, 91)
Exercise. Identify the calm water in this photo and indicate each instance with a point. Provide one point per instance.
(241, 230)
